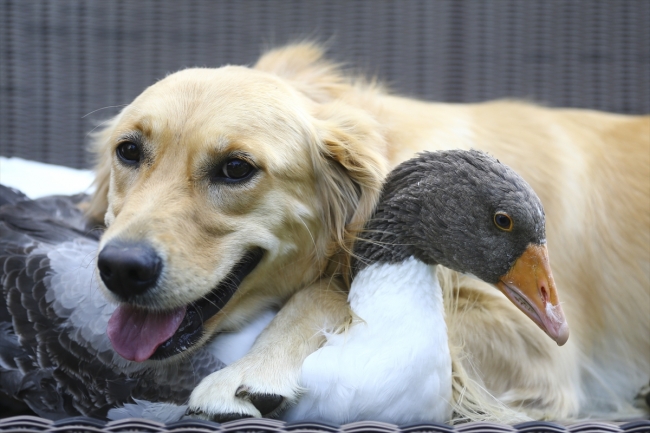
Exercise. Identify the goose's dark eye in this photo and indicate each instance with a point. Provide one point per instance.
(235, 169)
(128, 152)
(503, 221)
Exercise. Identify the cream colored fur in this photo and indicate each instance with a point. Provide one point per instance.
(323, 142)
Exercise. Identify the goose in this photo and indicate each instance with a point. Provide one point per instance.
(460, 209)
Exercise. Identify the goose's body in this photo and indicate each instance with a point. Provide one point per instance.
(394, 363)
(392, 366)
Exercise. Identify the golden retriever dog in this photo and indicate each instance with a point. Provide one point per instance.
(226, 191)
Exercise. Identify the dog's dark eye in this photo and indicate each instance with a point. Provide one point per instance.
(503, 221)
(236, 169)
(128, 152)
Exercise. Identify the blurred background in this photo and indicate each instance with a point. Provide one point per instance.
(65, 65)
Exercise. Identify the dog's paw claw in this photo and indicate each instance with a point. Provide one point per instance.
(195, 413)
(265, 403)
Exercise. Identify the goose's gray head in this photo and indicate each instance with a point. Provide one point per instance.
(467, 211)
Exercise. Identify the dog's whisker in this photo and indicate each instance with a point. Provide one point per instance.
(313, 241)
(103, 108)
(98, 126)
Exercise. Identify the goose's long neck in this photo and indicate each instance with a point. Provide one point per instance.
(388, 290)
(390, 274)
(393, 232)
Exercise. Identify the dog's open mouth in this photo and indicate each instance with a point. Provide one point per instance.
(138, 334)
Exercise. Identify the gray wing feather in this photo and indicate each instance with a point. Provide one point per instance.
(161, 412)
(56, 357)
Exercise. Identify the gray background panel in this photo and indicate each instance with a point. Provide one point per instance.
(65, 65)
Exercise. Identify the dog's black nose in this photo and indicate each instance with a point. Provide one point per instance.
(128, 269)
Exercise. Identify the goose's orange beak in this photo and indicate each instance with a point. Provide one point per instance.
(530, 286)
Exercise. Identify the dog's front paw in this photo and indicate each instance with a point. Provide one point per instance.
(227, 395)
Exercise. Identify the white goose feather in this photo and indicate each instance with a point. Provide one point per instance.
(390, 366)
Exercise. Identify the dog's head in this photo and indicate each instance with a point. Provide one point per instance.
(226, 190)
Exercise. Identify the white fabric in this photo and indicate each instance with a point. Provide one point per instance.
(36, 179)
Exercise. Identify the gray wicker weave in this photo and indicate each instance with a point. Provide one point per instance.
(27, 424)
(61, 60)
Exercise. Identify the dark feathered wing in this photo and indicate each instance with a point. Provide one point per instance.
(55, 356)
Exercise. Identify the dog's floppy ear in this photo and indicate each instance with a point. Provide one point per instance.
(350, 159)
(350, 166)
(100, 144)
(305, 66)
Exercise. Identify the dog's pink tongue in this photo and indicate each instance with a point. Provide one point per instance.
(136, 334)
